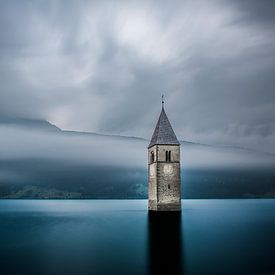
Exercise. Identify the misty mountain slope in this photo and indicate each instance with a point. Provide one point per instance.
(31, 124)
(41, 163)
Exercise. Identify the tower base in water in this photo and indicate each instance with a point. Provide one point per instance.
(154, 206)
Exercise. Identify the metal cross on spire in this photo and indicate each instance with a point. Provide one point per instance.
(162, 100)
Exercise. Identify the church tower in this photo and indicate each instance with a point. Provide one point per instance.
(164, 179)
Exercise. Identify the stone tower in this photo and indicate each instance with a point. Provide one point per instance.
(164, 179)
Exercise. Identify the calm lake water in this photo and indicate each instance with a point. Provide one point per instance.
(119, 237)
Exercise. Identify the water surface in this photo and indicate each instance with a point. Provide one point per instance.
(119, 237)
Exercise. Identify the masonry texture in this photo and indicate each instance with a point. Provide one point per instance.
(164, 180)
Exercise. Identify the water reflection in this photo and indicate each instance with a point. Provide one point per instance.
(165, 243)
(57, 237)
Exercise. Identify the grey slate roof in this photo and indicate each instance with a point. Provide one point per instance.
(163, 133)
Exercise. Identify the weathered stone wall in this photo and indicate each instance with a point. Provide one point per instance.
(168, 175)
(152, 179)
(164, 178)
(168, 184)
(175, 152)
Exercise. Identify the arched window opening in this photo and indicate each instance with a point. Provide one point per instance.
(169, 156)
(168, 186)
(152, 157)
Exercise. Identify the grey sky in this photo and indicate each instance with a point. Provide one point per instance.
(102, 65)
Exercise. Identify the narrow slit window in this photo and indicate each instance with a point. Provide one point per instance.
(169, 156)
(152, 157)
(166, 156)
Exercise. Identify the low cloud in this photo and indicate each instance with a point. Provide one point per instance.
(78, 149)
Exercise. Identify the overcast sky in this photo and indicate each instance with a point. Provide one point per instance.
(102, 66)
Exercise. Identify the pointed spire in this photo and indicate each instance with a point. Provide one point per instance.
(163, 133)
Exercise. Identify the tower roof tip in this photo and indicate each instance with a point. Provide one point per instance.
(164, 133)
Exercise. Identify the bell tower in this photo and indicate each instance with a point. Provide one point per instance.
(164, 193)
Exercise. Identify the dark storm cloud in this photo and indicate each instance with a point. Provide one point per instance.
(256, 12)
(102, 66)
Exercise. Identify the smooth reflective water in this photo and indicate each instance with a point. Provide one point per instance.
(119, 237)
